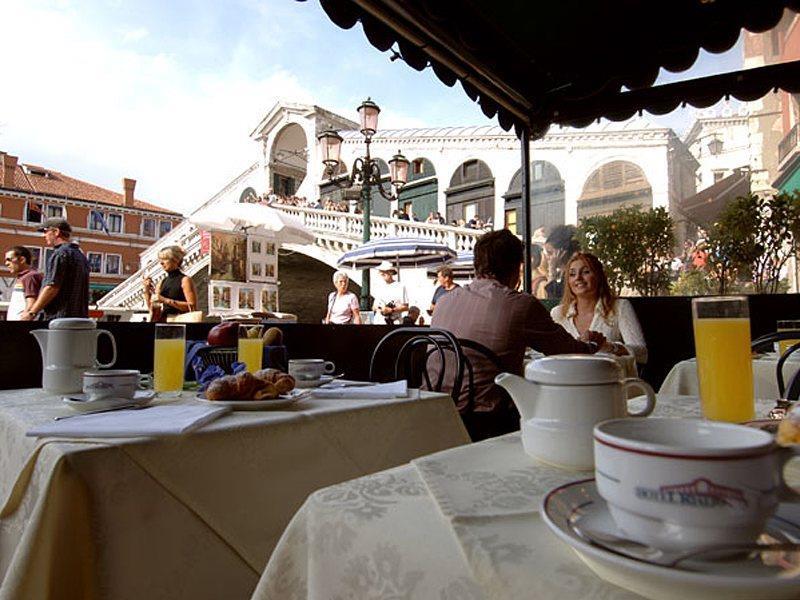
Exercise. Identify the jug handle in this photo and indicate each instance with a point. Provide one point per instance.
(113, 349)
(635, 382)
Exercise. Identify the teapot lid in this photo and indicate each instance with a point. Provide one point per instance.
(72, 323)
(574, 369)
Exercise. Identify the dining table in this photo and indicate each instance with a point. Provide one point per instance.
(463, 523)
(682, 378)
(195, 515)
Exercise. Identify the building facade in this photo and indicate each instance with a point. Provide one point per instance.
(112, 228)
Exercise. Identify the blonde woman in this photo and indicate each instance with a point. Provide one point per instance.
(588, 305)
(176, 293)
(342, 305)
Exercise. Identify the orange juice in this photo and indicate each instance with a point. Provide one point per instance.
(168, 365)
(251, 353)
(724, 368)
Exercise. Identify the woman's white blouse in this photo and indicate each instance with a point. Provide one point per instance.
(619, 326)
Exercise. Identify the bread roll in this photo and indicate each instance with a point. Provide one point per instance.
(224, 388)
(285, 383)
(267, 391)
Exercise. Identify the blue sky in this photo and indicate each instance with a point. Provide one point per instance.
(167, 92)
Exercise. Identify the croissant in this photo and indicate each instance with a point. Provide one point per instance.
(268, 391)
(246, 385)
(223, 388)
(268, 375)
(284, 383)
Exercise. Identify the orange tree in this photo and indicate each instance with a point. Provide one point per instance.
(635, 247)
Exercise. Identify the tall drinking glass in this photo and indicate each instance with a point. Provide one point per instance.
(251, 348)
(168, 358)
(784, 345)
(724, 363)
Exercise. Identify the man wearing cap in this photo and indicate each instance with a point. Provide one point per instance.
(65, 287)
(391, 301)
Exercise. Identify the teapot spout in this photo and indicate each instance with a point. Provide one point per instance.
(522, 392)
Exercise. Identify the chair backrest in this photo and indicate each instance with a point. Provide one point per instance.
(766, 343)
(467, 344)
(415, 345)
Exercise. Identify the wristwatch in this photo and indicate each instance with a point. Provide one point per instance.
(593, 346)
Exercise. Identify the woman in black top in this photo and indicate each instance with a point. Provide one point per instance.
(176, 292)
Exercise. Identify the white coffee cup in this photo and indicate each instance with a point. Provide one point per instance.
(688, 484)
(310, 369)
(113, 383)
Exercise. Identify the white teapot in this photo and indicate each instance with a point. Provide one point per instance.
(69, 347)
(562, 398)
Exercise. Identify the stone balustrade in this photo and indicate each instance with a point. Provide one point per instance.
(336, 232)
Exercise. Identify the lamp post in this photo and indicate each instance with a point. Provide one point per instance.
(366, 173)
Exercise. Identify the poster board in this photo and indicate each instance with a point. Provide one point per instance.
(237, 297)
(262, 259)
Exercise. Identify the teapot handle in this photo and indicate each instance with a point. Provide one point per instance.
(113, 349)
(635, 382)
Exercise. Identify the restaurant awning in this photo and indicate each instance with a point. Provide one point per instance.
(533, 64)
(704, 207)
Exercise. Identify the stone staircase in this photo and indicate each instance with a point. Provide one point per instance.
(336, 232)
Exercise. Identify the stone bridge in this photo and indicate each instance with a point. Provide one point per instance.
(335, 233)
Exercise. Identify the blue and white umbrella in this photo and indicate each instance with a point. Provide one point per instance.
(401, 252)
(463, 266)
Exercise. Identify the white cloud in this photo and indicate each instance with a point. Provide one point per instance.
(134, 35)
(102, 112)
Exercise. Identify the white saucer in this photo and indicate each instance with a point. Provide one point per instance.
(81, 402)
(282, 401)
(743, 578)
(313, 382)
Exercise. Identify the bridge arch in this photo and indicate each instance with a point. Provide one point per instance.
(471, 192)
(613, 185)
(547, 197)
(288, 159)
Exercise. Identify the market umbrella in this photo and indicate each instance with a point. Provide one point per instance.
(463, 266)
(253, 218)
(401, 252)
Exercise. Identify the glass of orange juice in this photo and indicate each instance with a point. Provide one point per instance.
(168, 358)
(787, 325)
(251, 347)
(724, 363)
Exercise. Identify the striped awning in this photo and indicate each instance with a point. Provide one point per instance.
(401, 252)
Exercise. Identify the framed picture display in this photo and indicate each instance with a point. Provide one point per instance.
(257, 258)
(227, 298)
(220, 297)
(228, 257)
(247, 298)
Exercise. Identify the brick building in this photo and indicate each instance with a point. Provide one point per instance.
(112, 228)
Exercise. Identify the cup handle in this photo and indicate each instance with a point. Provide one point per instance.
(145, 381)
(786, 493)
(635, 382)
(113, 349)
(329, 367)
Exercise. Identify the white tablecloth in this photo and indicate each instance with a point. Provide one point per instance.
(459, 524)
(682, 378)
(193, 516)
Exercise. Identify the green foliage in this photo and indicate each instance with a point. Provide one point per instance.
(635, 247)
(753, 239)
(693, 282)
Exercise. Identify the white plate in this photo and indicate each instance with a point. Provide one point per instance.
(314, 382)
(282, 401)
(745, 578)
(81, 402)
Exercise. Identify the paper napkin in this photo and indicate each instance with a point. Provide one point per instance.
(394, 389)
(147, 422)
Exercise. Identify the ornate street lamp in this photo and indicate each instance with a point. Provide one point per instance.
(366, 173)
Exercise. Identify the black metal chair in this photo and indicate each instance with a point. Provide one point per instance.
(416, 344)
(765, 343)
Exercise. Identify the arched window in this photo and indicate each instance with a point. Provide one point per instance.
(248, 196)
(289, 159)
(471, 192)
(614, 185)
(547, 197)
